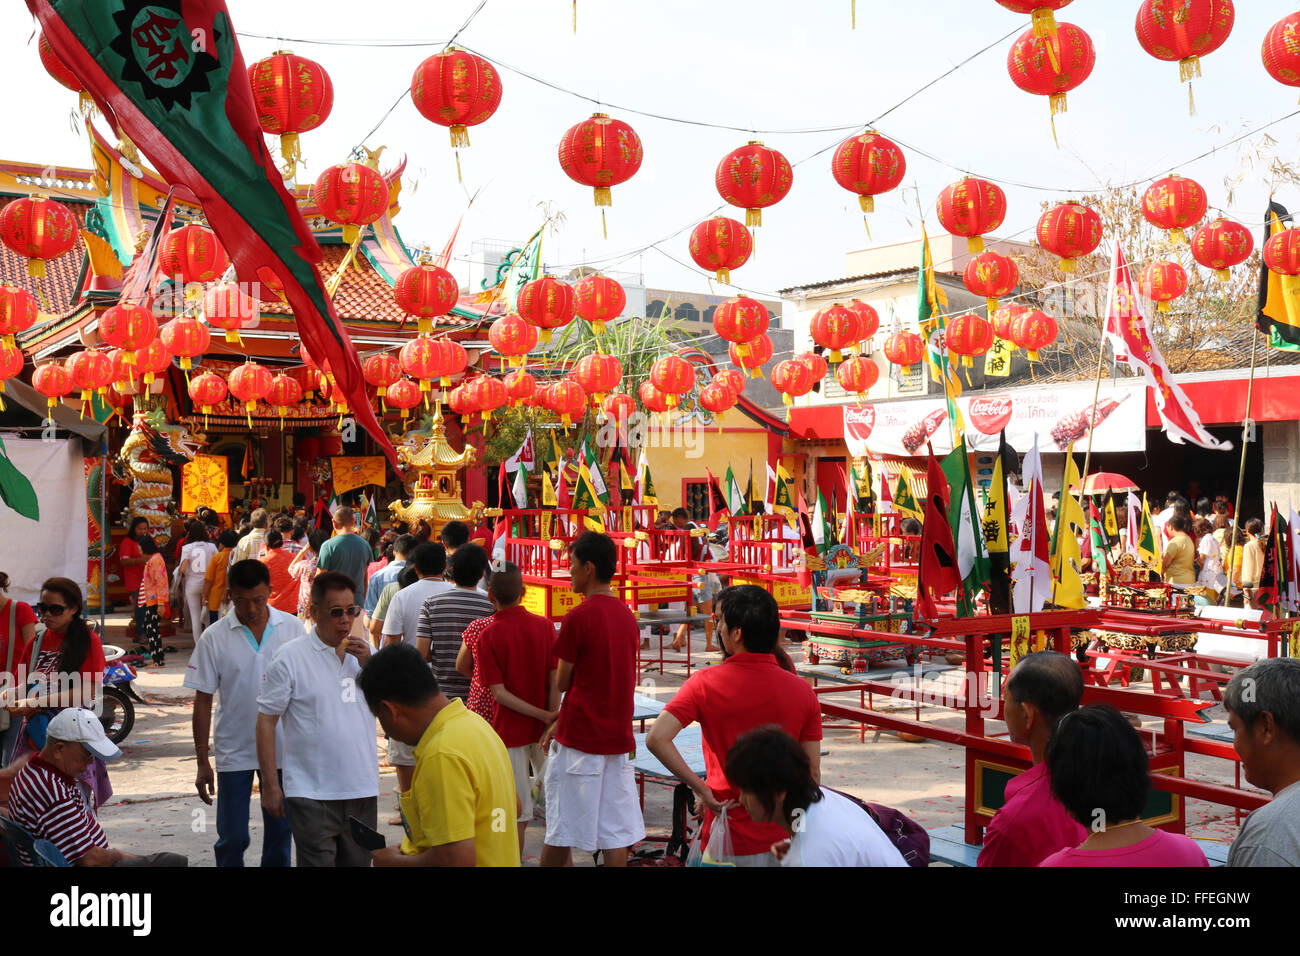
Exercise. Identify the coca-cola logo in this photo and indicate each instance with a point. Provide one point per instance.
(860, 421)
(990, 415)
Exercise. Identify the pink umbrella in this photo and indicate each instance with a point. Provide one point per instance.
(1104, 481)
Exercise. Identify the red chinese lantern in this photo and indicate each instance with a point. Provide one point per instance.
(1174, 204)
(185, 338)
(418, 360)
(1051, 66)
(11, 365)
(868, 319)
(598, 299)
(1163, 282)
(53, 381)
(1282, 252)
(969, 335)
(381, 371)
(653, 399)
(249, 383)
(513, 337)
(1222, 244)
(598, 374)
(426, 291)
(192, 254)
(740, 320)
(353, 195)
(207, 390)
(757, 353)
(267, 277)
(458, 402)
(284, 391)
(449, 359)
(1281, 50)
(227, 308)
(292, 95)
(904, 349)
(991, 275)
(56, 67)
(1032, 331)
(674, 376)
(128, 327)
(567, 399)
(791, 379)
(717, 397)
(753, 177)
(18, 312)
(731, 377)
(153, 360)
(520, 387)
(39, 229)
(619, 406)
(1069, 231)
(971, 208)
(1184, 30)
(403, 395)
(868, 164)
(485, 395)
(311, 380)
(817, 366)
(91, 372)
(835, 327)
(456, 89)
(721, 244)
(857, 374)
(600, 152)
(126, 376)
(1003, 318)
(547, 303)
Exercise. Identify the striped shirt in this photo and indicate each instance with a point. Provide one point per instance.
(49, 805)
(443, 619)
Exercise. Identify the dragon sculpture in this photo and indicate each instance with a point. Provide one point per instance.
(151, 447)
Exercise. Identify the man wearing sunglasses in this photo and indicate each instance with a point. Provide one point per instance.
(331, 759)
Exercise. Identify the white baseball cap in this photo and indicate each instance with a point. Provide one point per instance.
(78, 725)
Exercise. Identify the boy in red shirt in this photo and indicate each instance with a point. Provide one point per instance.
(517, 664)
(749, 689)
(591, 798)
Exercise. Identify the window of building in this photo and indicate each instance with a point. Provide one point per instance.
(686, 313)
(654, 309)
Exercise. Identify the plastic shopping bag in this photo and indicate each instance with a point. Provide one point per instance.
(718, 852)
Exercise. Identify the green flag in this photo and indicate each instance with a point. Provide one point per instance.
(783, 503)
(1146, 542)
(972, 560)
(823, 523)
(904, 500)
(16, 489)
(735, 497)
(585, 496)
(592, 464)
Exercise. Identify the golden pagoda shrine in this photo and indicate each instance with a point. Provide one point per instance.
(432, 482)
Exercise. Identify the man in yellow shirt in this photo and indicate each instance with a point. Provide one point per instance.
(461, 808)
(214, 578)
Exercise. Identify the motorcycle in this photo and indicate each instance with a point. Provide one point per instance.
(117, 713)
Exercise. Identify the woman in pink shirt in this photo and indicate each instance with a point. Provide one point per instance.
(1100, 773)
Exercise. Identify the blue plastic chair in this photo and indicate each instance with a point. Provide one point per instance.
(20, 844)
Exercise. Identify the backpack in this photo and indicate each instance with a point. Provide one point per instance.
(905, 833)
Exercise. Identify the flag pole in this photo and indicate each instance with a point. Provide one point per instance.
(1101, 362)
(1241, 475)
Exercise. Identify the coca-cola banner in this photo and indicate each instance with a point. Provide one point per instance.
(1059, 414)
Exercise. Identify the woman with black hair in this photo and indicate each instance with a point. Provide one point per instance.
(132, 560)
(153, 598)
(1100, 773)
(191, 566)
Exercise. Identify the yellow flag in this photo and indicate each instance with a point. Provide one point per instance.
(997, 360)
(1146, 542)
(995, 514)
(1066, 557)
(548, 492)
(1112, 523)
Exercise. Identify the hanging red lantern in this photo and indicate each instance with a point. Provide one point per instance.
(757, 353)
(18, 312)
(1032, 331)
(1222, 244)
(292, 95)
(600, 152)
(186, 338)
(418, 360)
(153, 360)
(733, 378)
(740, 320)
(991, 275)
(249, 383)
(969, 335)
(514, 338)
(380, 371)
(1070, 231)
(567, 399)
(717, 397)
(791, 379)
(207, 390)
(598, 299)
(284, 391)
(1003, 318)
(836, 328)
(753, 177)
(547, 303)
(1051, 66)
(868, 319)
(127, 377)
(520, 387)
(11, 365)
(458, 402)
(449, 359)
(868, 164)
(619, 406)
(39, 229)
(972, 208)
(857, 374)
(1282, 252)
(128, 327)
(817, 366)
(426, 291)
(652, 398)
(267, 277)
(904, 349)
(486, 395)
(1184, 30)
(1174, 204)
(56, 67)
(353, 195)
(53, 381)
(598, 374)
(403, 395)
(311, 380)
(91, 372)
(1281, 50)
(456, 89)
(192, 254)
(227, 308)
(1163, 282)
(721, 244)
(674, 376)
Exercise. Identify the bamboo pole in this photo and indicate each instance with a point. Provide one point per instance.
(1241, 477)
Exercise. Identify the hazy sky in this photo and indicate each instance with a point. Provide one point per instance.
(760, 64)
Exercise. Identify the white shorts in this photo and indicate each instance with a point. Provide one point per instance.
(400, 755)
(591, 801)
(520, 758)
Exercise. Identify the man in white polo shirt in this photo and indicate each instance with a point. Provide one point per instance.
(331, 760)
(229, 662)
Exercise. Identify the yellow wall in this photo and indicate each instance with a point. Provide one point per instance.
(670, 464)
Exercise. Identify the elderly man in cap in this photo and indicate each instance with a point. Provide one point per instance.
(46, 801)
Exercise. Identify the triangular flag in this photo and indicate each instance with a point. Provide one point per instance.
(937, 572)
(1146, 538)
(520, 489)
(548, 492)
(782, 501)
(717, 503)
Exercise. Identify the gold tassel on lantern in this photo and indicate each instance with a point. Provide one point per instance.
(1222, 274)
(1177, 236)
(1163, 307)
(853, 13)
(724, 276)
(836, 356)
(975, 244)
(753, 217)
(1067, 265)
(785, 398)
(291, 153)
(36, 268)
(1189, 67)
(867, 202)
(991, 305)
(459, 136)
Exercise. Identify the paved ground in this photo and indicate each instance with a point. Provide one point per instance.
(155, 806)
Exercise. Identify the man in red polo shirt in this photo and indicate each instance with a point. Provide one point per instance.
(748, 689)
(591, 798)
(1032, 825)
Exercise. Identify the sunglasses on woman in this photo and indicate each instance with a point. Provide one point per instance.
(54, 610)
